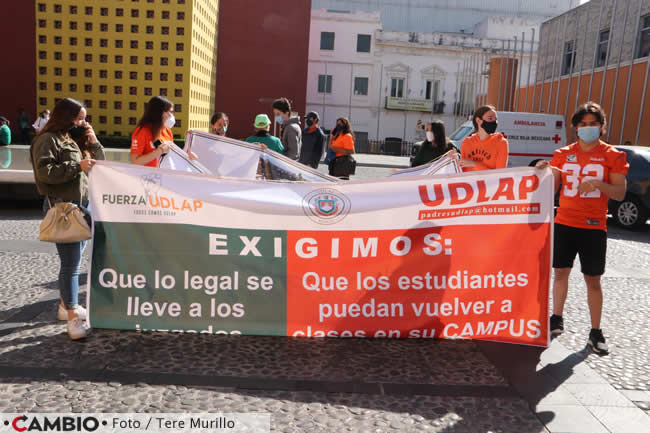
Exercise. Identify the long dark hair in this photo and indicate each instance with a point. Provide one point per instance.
(347, 128)
(439, 136)
(480, 111)
(153, 112)
(63, 116)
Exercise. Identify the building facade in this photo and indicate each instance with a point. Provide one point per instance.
(386, 81)
(18, 72)
(263, 50)
(459, 16)
(114, 56)
(598, 51)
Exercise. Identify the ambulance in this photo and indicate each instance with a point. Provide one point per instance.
(531, 136)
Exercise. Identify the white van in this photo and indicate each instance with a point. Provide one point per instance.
(531, 136)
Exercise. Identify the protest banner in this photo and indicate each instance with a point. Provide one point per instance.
(445, 164)
(228, 157)
(459, 256)
(177, 159)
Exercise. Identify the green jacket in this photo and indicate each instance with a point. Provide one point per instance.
(56, 159)
(270, 141)
(5, 135)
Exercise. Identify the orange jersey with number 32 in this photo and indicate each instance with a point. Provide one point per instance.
(588, 210)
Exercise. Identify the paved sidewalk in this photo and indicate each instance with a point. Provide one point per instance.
(567, 395)
(330, 385)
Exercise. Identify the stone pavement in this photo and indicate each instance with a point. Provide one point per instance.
(330, 385)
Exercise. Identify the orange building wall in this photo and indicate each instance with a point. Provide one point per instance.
(503, 72)
(559, 105)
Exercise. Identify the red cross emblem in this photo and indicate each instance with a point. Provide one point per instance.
(556, 139)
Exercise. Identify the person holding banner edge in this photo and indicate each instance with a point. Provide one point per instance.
(486, 149)
(590, 172)
(435, 145)
(155, 124)
(60, 166)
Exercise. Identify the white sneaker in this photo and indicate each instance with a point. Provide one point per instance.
(76, 329)
(63, 313)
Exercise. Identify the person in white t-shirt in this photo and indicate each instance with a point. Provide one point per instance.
(41, 120)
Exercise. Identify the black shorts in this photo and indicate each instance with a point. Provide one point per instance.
(589, 244)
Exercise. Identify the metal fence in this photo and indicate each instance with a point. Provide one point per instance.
(394, 147)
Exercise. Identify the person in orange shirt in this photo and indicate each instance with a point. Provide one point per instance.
(590, 172)
(155, 124)
(342, 143)
(486, 149)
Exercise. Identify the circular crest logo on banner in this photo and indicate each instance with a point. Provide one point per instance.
(326, 206)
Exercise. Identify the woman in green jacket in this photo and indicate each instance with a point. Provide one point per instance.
(435, 145)
(60, 167)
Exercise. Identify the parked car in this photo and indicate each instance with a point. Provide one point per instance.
(634, 210)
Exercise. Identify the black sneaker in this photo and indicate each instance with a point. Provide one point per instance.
(557, 325)
(597, 342)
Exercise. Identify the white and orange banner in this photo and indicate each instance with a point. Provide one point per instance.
(456, 256)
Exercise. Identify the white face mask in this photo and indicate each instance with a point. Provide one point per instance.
(170, 121)
(429, 136)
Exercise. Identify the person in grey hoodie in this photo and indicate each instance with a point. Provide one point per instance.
(291, 132)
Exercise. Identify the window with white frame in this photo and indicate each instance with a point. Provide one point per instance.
(324, 84)
(397, 87)
(327, 41)
(569, 57)
(644, 38)
(363, 43)
(361, 85)
(603, 44)
(431, 90)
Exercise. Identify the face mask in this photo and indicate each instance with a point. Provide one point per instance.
(489, 127)
(279, 119)
(77, 132)
(309, 122)
(589, 134)
(429, 135)
(170, 121)
(225, 129)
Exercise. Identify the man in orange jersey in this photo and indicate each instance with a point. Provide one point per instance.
(590, 172)
(486, 149)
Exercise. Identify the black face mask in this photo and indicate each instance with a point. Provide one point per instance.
(77, 132)
(489, 127)
(309, 122)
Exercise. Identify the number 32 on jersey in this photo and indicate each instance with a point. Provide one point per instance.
(575, 174)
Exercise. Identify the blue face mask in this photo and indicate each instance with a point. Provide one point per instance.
(225, 129)
(279, 119)
(589, 134)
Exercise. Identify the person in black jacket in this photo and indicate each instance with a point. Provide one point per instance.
(313, 141)
(435, 145)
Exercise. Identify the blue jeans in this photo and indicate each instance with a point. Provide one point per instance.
(70, 257)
